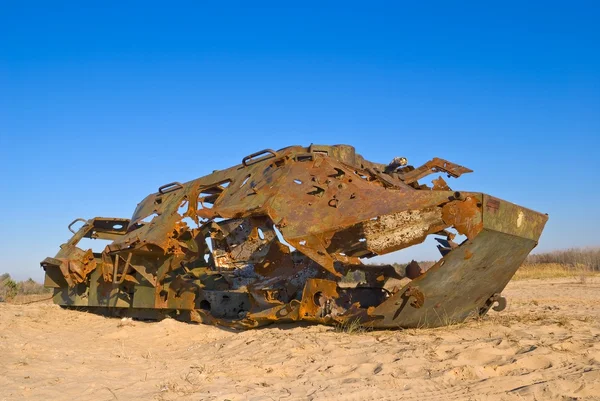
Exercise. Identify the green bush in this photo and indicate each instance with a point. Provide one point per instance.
(10, 288)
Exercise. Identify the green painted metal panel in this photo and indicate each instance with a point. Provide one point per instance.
(460, 283)
(506, 217)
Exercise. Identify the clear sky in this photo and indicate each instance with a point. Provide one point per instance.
(102, 103)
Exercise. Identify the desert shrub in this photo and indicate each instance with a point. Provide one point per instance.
(351, 326)
(30, 287)
(10, 288)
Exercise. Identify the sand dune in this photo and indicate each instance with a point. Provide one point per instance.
(544, 346)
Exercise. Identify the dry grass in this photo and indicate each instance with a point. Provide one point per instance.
(22, 299)
(589, 257)
(11, 290)
(352, 326)
(554, 270)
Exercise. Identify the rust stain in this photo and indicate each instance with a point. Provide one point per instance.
(439, 184)
(464, 215)
(275, 238)
(492, 205)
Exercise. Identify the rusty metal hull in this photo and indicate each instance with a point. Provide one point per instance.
(272, 239)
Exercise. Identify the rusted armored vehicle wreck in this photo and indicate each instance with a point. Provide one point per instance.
(270, 239)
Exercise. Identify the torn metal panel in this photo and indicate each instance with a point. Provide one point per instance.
(435, 165)
(269, 240)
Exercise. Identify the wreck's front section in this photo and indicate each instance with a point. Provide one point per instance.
(270, 240)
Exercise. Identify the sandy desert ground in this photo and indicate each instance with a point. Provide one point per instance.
(544, 346)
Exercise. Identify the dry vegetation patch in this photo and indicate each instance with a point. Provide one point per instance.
(554, 270)
(21, 291)
(582, 263)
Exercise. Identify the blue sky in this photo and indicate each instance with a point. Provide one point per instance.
(102, 103)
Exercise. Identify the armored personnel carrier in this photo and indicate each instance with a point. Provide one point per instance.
(275, 238)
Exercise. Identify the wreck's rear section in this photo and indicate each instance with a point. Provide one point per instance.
(273, 238)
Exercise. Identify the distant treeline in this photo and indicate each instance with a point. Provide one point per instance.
(10, 288)
(577, 257)
(425, 265)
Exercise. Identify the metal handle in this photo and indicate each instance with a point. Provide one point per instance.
(300, 157)
(253, 155)
(75, 221)
(172, 186)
